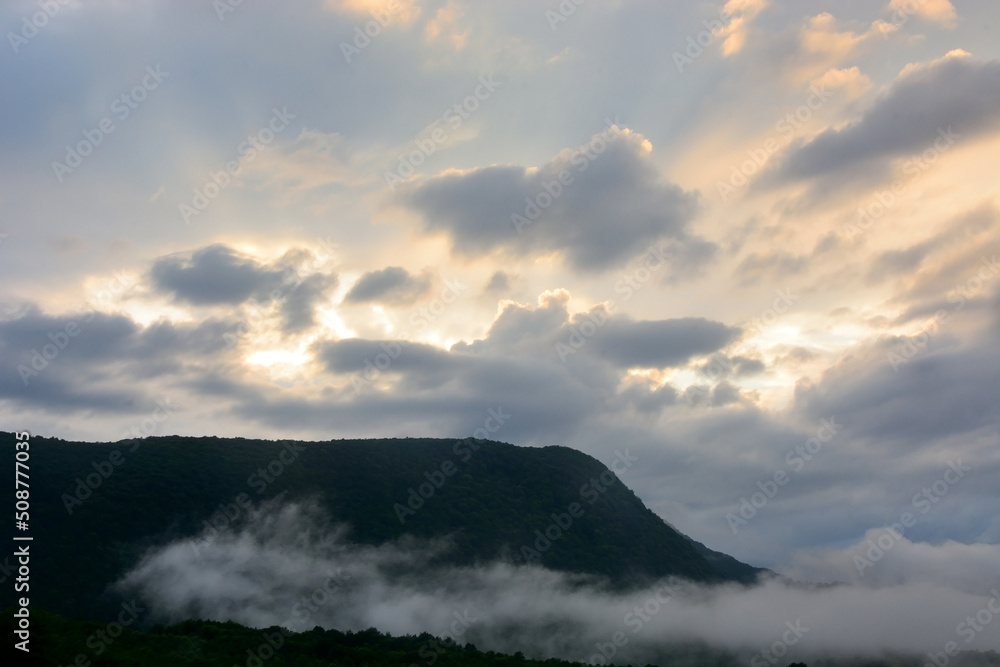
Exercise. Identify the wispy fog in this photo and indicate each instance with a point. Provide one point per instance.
(289, 565)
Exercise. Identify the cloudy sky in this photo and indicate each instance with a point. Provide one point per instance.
(753, 242)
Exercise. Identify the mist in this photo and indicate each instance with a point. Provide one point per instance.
(289, 565)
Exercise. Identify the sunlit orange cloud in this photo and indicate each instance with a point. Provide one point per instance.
(851, 80)
(937, 11)
(824, 46)
(445, 26)
(734, 32)
(405, 11)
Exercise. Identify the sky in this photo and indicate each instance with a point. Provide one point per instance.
(752, 243)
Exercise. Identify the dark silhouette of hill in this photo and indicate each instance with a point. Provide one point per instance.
(97, 507)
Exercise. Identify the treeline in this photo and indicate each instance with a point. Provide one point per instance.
(57, 641)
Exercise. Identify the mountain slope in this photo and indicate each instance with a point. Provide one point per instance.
(95, 508)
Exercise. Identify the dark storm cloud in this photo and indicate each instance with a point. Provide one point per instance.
(392, 284)
(215, 274)
(607, 208)
(918, 109)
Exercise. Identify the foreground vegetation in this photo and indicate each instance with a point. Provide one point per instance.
(58, 641)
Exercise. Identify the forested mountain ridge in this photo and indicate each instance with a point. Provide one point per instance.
(96, 507)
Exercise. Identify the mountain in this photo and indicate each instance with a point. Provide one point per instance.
(96, 508)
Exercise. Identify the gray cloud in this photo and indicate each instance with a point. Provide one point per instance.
(60, 362)
(884, 402)
(659, 344)
(616, 204)
(215, 274)
(300, 300)
(499, 282)
(392, 284)
(956, 92)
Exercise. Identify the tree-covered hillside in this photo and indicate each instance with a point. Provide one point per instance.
(95, 508)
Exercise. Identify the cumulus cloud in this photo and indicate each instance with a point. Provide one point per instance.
(884, 396)
(935, 11)
(215, 274)
(659, 344)
(60, 361)
(851, 80)
(597, 205)
(393, 285)
(949, 100)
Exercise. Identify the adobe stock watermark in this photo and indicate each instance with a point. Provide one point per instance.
(435, 136)
(420, 318)
(697, 43)
(652, 261)
(900, 15)
(122, 107)
(438, 477)
(106, 467)
(310, 604)
(246, 151)
(552, 190)
(431, 650)
(38, 20)
(796, 459)
(779, 649)
(739, 175)
(60, 339)
(633, 281)
(636, 620)
(223, 7)
(721, 367)
(372, 29)
(562, 12)
(227, 513)
(591, 491)
(971, 626)
(906, 351)
(150, 425)
(102, 639)
(923, 501)
(257, 313)
(302, 611)
(913, 168)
